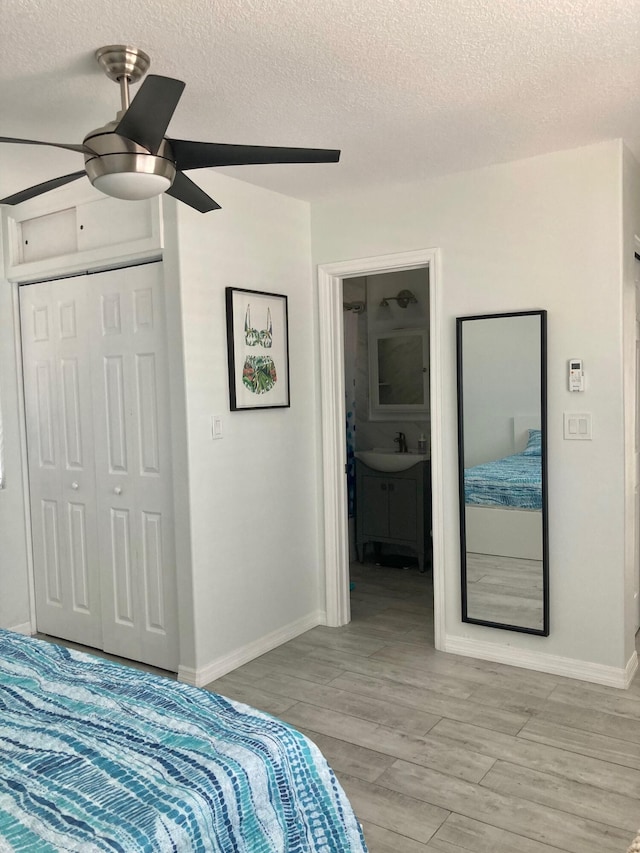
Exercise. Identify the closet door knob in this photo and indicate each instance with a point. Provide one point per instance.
(117, 490)
(74, 485)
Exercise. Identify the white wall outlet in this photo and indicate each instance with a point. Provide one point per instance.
(216, 426)
(577, 427)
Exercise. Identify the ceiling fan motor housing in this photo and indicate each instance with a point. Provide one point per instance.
(112, 154)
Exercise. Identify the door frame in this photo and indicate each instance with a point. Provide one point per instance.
(636, 433)
(333, 414)
(24, 462)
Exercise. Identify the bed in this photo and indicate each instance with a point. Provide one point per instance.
(514, 481)
(97, 756)
(503, 502)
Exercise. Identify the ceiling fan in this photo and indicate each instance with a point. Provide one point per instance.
(131, 158)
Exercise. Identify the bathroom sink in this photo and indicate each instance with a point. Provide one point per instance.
(390, 460)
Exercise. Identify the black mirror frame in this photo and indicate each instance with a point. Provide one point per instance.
(544, 632)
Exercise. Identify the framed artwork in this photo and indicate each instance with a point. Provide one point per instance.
(258, 349)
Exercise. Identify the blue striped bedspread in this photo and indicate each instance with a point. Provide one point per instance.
(95, 756)
(515, 481)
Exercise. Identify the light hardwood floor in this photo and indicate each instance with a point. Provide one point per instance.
(505, 589)
(449, 754)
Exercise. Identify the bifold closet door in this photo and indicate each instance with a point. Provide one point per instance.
(59, 417)
(96, 389)
(133, 466)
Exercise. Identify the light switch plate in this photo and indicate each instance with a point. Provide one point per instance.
(577, 426)
(216, 427)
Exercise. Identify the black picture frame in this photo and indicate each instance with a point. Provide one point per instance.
(507, 625)
(257, 349)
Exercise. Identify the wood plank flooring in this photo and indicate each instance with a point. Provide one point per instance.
(445, 754)
(507, 590)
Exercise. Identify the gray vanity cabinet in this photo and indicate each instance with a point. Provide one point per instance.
(394, 508)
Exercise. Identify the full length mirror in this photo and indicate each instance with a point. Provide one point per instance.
(502, 464)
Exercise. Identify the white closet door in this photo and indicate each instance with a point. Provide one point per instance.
(133, 466)
(96, 388)
(61, 465)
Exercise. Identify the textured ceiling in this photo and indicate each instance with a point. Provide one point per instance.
(406, 88)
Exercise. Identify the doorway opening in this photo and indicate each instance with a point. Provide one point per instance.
(386, 370)
(336, 287)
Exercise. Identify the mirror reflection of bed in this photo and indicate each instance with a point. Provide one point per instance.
(503, 522)
(502, 411)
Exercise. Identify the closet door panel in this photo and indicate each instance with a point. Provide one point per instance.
(134, 471)
(113, 369)
(81, 581)
(121, 568)
(72, 421)
(148, 428)
(51, 558)
(59, 415)
(152, 561)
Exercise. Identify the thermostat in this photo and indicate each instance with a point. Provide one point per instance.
(576, 375)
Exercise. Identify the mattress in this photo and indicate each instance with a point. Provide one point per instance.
(97, 756)
(515, 481)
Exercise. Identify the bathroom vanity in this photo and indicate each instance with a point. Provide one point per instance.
(393, 507)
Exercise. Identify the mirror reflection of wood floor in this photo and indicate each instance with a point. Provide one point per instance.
(446, 754)
(505, 589)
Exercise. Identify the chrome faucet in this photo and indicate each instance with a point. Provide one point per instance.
(401, 441)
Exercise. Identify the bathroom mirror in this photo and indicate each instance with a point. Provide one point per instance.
(502, 452)
(398, 374)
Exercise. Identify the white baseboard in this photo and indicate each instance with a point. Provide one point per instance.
(597, 673)
(227, 663)
(630, 669)
(25, 628)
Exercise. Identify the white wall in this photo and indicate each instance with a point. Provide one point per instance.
(538, 233)
(253, 495)
(370, 289)
(631, 272)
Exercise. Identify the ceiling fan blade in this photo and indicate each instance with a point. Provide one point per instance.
(82, 149)
(186, 191)
(39, 189)
(149, 113)
(203, 155)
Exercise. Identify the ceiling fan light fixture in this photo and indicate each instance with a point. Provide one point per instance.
(132, 186)
(132, 175)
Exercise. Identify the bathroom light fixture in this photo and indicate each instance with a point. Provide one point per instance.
(404, 298)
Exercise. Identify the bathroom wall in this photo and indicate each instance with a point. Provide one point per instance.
(370, 290)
